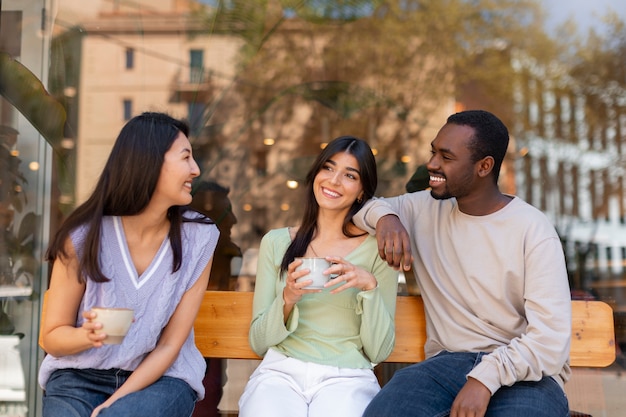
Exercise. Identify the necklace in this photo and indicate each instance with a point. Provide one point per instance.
(313, 250)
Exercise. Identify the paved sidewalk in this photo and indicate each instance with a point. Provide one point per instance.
(599, 392)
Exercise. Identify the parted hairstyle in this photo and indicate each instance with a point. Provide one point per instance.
(491, 137)
(125, 187)
(369, 180)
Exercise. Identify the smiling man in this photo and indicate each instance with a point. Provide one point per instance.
(492, 274)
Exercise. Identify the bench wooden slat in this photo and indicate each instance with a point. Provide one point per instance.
(410, 330)
(593, 334)
(221, 329)
(222, 324)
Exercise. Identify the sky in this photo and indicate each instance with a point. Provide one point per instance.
(586, 13)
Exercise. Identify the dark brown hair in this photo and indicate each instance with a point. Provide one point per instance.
(125, 188)
(369, 180)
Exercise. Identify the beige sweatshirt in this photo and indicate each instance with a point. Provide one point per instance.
(495, 283)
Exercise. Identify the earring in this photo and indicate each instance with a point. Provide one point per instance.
(360, 199)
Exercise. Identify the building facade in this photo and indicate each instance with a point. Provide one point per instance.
(570, 163)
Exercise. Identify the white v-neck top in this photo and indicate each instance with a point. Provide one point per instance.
(153, 295)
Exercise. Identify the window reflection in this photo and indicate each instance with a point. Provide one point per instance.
(260, 101)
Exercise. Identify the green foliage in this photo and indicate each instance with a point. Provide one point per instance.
(386, 70)
(403, 53)
(601, 61)
(379, 69)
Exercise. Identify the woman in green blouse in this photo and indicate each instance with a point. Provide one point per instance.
(319, 346)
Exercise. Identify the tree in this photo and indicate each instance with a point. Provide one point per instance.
(599, 62)
(387, 71)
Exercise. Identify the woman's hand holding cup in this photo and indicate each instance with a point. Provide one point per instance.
(350, 275)
(297, 282)
(107, 325)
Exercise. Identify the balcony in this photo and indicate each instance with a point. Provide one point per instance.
(192, 86)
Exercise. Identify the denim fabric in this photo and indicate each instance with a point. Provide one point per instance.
(428, 388)
(76, 392)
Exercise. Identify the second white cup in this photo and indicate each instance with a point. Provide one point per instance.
(317, 266)
(115, 323)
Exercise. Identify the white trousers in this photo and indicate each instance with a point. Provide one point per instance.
(288, 387)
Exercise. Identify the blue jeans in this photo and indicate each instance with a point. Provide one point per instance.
(76, 392)
(428, 388)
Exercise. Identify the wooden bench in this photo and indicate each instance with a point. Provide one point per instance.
(221, 330)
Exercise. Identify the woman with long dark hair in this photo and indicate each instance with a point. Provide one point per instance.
(132, 244)
(320, 345)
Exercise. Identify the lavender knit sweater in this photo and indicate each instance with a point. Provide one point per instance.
(153, 296)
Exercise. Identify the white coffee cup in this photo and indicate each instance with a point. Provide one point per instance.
(115, 323)
(317, 266)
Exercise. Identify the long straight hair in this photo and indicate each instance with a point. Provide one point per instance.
(369, 180)
(125, 188)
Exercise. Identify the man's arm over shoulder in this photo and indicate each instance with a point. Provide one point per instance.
(372, 211)
(380, 216)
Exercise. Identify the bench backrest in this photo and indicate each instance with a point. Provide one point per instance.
(221, 329)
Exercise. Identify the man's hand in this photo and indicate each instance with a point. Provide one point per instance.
(472, 400)
(393, 242)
